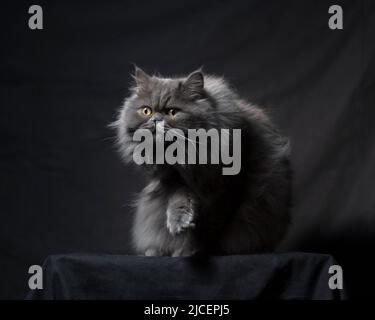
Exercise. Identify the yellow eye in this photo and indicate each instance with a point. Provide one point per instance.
(146, 111)
(172, 112)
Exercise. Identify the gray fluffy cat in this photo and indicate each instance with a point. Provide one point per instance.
(186, 209)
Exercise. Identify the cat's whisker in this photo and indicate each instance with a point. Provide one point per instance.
(187, 139)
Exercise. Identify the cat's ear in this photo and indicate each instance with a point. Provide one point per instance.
(193, 86)
(141, 78)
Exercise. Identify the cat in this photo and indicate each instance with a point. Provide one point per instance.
(190, 209)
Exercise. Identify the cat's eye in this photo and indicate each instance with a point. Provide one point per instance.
(172, 112)
(146, 111)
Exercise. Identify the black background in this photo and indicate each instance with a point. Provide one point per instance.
(62, 186)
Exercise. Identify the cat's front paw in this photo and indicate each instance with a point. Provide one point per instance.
(152, 252)
(179, 219)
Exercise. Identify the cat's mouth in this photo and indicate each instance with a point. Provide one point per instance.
(153, 126)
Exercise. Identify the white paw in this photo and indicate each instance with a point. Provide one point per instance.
(179, 220)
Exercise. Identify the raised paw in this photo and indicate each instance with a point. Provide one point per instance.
(179, 219)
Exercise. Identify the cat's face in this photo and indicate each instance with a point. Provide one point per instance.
(180, 103)
(173, 103)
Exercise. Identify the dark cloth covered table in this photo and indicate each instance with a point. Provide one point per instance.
(263, 276)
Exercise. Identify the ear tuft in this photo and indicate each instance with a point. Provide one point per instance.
(141, 78)
(193, 85)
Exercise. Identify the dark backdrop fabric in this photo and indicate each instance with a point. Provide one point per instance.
(288, 276)
(63, 188)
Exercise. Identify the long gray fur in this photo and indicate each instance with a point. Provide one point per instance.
(194, 208)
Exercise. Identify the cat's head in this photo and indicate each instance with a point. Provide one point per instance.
(178, 103)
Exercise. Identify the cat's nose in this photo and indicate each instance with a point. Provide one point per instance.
(157, 117)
